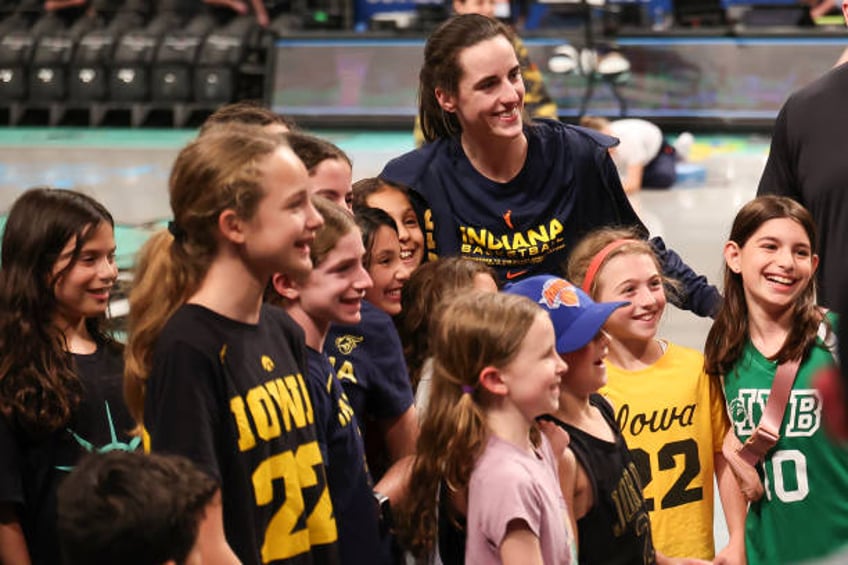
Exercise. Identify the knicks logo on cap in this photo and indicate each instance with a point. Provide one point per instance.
(559, 292)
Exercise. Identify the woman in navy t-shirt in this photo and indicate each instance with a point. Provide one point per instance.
(491, 187)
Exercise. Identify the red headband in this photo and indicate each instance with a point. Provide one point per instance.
(598, 260)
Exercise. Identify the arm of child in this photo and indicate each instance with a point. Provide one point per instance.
(568, 469)
(401, 434)
(395, 481)
(210, 536)
(13, 548)
(568, 473)
(735, 509)
(520, 546)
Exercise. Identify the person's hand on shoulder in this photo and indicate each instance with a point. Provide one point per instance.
(558, 437)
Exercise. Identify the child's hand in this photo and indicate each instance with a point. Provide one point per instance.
(749, 480)
(732, 554)
(558, 437)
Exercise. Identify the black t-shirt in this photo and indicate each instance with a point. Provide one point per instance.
(807, 162)
(31, 470)
(567, 187)
(611, 532)
(232, 397)
(368, 358)
(347, 472)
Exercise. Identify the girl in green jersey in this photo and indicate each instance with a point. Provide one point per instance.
(769, 316)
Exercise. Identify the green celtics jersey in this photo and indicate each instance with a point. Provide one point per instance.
(804, 512)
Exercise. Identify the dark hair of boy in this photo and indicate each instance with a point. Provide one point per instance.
(130, 508)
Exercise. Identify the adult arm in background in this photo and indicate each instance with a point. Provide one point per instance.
(261, 12)
(242, 7)
(54, 5)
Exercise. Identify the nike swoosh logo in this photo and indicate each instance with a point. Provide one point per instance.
(514, 275)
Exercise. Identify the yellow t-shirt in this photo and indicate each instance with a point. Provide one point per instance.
(674, 420)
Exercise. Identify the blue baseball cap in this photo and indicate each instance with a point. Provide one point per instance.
(577, 318)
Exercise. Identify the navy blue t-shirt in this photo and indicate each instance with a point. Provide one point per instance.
(368, 358)
(567, 187)
(347, 472)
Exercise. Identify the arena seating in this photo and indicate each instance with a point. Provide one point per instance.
(126, 67)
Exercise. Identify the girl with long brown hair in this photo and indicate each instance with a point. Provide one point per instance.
(769, 316)
(60, 372)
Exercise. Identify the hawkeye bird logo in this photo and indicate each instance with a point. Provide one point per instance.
(347, 343)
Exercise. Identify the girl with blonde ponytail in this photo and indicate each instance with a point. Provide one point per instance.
(212, 373)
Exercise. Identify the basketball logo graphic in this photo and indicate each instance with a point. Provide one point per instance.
(558, 292)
